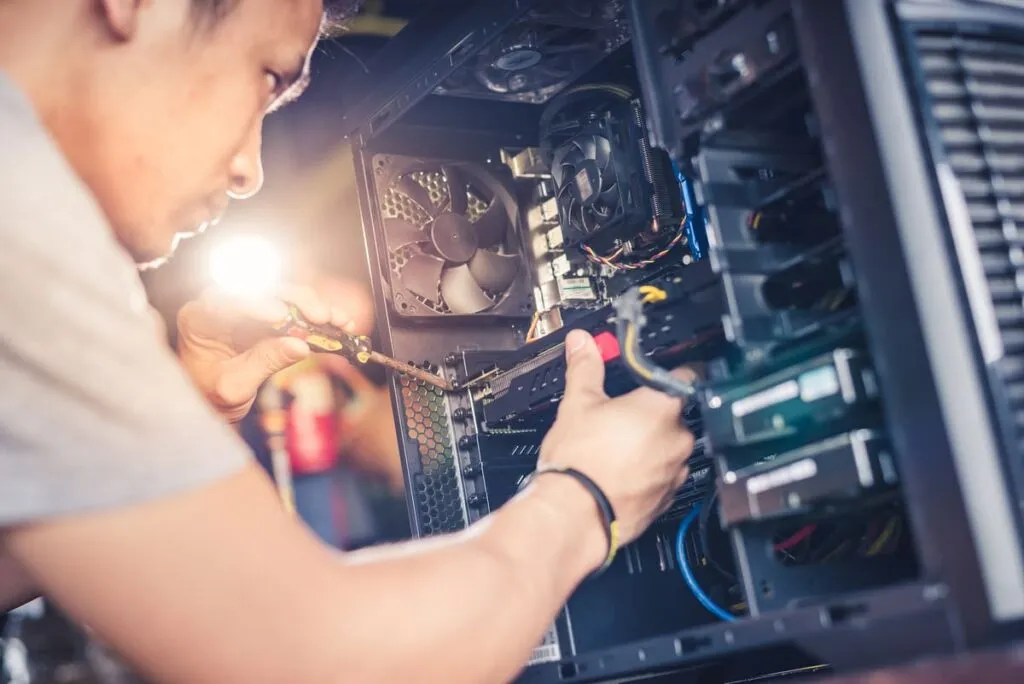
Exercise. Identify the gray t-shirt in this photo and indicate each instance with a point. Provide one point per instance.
(95, 411)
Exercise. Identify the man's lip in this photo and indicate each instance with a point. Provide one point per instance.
(216, 213)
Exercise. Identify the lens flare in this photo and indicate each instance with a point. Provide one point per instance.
(246, 266)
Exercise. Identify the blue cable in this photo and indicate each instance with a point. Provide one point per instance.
(684, 567)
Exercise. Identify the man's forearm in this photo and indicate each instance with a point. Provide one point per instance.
(254, 598)
(470, 608)
(16, 586)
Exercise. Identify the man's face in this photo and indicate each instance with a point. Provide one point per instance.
(174, 122)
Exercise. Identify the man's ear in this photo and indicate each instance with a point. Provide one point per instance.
(121, 16)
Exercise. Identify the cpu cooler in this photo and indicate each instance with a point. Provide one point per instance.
(611, 187)
(450, 230)
(539, 55)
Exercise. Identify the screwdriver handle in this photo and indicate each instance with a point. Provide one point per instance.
(325, 338)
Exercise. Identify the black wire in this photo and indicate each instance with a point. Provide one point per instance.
(702, 534)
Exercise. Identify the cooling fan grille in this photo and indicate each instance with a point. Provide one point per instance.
(451, 233)
(398, 205)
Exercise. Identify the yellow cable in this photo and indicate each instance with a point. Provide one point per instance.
(652, 294)
(533, 327)
(883, 538)
(627, 353)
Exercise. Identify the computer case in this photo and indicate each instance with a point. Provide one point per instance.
(857, 167)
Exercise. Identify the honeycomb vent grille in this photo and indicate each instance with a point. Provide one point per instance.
(438, 502)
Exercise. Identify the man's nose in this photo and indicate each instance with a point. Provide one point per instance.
(247, 166)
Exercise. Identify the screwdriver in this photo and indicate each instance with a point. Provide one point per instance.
(355, 348)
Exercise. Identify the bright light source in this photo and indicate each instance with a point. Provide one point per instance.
(246, 266)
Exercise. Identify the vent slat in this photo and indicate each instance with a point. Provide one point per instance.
(997, 264)
(989, 237)
(1013, 343)
(975, 84)
(1010, 315)
(1004, 289)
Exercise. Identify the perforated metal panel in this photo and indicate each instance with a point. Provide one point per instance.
(438, 502)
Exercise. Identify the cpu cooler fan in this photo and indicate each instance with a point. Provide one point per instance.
(592, 143)
(450, 232)
(543, 52)
(611, 186)
(589, 195)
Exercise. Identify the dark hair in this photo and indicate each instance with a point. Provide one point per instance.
(335, 10)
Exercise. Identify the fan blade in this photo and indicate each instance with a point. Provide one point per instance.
(456, 190)
(575, 157)
(610, 195)
(422, 274)
(416, 192)
(494, 272)
(552, 50)
(398, 232)
(588, 144)
(557, 163)
(552, 70)
(603, 148)
(461, 293)
(586, 220)
(492, 225)
(554, 33)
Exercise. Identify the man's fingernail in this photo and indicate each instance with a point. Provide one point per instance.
(575, 341)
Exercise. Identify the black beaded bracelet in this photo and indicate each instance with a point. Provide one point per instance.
(611, 525)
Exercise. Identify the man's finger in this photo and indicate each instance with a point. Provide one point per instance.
(657, 401)
(309, 303)
(244, 374)
(681, 478)
(584, 374)
(350, 303)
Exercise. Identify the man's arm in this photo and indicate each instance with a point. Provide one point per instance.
(220, 585)
(194, 590)
(16, 585)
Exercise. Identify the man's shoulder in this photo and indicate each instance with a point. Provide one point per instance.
(34, 173)
(47, 213)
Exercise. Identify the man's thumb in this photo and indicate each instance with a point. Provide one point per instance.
(584, 374)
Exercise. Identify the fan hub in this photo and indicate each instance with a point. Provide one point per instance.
(518, 59)
(585, 182)
(454, 238)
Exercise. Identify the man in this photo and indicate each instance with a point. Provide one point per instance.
(123, 125)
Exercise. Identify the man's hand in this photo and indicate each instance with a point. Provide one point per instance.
(228, 347)
(634, 447)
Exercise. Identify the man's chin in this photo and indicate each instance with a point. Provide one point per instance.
(152, 264)
(155, 259)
